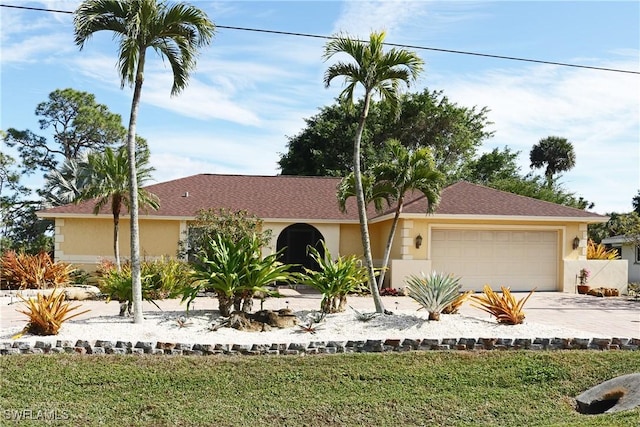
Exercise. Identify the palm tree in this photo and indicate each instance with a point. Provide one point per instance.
(389, 181)
(406, 171)
(65, 185)
(108, 182)
(176, 32)
(381, 73)
(556, 153)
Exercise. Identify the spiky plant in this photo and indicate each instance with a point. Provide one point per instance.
(39, 271)
(600, 251)
(433, 292)
(47, 313)
(455, 305)
(505, 307)
(363, 316)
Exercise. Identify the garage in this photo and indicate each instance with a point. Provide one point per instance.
(519, 259)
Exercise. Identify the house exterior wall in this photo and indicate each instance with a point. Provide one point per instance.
(628, 253)
(84, 242)
(605, 274)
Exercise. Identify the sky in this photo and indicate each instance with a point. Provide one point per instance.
(252, 90)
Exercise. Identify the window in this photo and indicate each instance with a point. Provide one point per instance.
(637, 254)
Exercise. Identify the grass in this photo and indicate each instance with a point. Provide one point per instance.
(514, 388)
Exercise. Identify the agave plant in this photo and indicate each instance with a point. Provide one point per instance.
(433, 292)
(504, 307)
(364, 316)
(47, 313)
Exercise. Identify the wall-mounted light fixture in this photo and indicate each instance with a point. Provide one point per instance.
(418, 241)
(576, 242)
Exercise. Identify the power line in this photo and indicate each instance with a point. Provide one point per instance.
(434, 49)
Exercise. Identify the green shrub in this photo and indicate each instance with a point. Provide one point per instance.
(434, 292)
(234, 270)
(335, 279)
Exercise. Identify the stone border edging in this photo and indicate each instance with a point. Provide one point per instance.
(316, 347)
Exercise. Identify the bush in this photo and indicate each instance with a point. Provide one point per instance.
(160, 279)
(600, 251)
(505, 307)
(434, 292)
(335, 279)
(24, 271)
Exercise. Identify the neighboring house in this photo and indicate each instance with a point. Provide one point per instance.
(628, 250)
(478, 233)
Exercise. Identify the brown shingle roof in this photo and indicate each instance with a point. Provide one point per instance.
(314, 198)
(464, 198)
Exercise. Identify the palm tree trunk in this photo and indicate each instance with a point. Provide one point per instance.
(387, 249)
(362, 207)
(116, 240)
(136, 281)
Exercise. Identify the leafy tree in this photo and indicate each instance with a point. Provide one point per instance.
(493, 166)
(536, 187)
(232, 225)
(427, 119)
(619, 224)
(636, 203)
(176, 32)
(377, 72)
(405, 170)
(78, 123)
(556, 153)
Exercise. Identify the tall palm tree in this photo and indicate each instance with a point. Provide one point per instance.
(556, 153)
(176, 32)
(378, 72)
(407, 171)
(108, 182)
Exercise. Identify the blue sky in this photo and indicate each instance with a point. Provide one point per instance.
(251, 90)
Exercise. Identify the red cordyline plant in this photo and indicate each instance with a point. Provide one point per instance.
(24, 271)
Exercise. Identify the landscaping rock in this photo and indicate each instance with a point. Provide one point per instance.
(618, 394)
(81, 292)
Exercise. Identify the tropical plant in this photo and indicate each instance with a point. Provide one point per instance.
(433, 292)
(107, 181)
(334, 279)
(455, 305)
(600, 251)
(505, 307)
(176, 32)
(22, 271)
(363, 316)
(47, 313)
(161, 278)
(556, 153)
(403, 170)
(377, 72)
(234, 271)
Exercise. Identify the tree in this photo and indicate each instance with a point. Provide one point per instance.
(176, 32)
(492, 166)
(427, 119)
(106, 178)
(79, 124)
(556, 153)
(404, 171)
(636, 203)
(377, 72)
(536, 187)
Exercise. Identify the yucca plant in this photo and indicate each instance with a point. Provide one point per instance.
(455, 305)
(38, 271)
(504, 307)
(600, 251)
(47, 313)
(433, 292)
(335, 278)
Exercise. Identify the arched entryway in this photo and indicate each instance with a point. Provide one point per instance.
(295, 239)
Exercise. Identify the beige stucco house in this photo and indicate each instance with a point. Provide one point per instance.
(478, 233)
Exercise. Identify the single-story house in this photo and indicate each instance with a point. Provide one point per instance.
(477, 233)
(628, 250)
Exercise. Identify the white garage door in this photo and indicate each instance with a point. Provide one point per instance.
(521, 260)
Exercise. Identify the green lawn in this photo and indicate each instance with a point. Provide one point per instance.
(514, 388)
